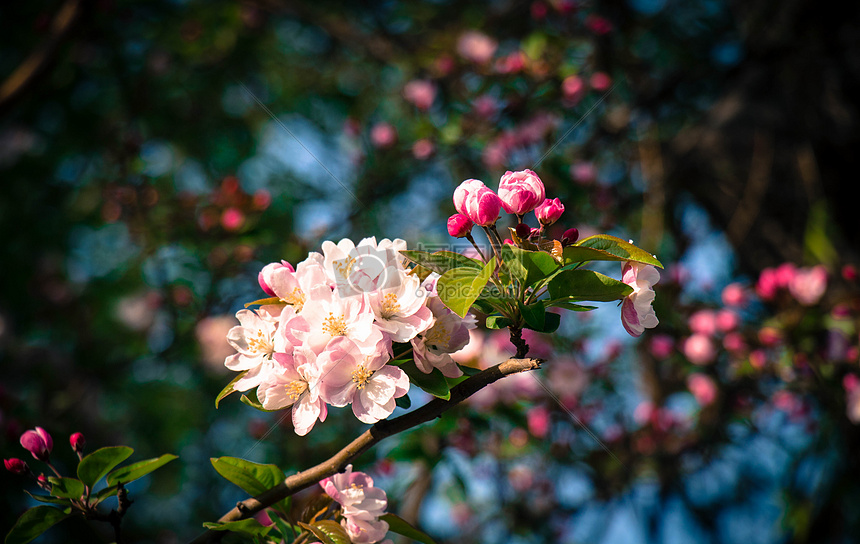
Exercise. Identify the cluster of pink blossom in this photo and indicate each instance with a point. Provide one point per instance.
(329, 330)
(806, 285)
(361, 505)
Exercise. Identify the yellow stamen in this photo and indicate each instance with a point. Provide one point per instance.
(296, 298)
(335, 326)
(295, 389)
(390, 307)
(261, 344)
(360, 376)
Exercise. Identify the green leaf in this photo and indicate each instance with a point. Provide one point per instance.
(576, 285)
(441, 261)
(327, 531)
(498, 322)
(137, 470)
(33, 523)
(529, 267)
(398, 525)
(96, 465)
(252, 478)
(248, 526)
(66, 488)
(229, 388)
(264, 301)
(433, 383)
(403, 402)
(49, 499)
(458, 288)
(564, 303)
(533, 314)
(287, 531)
(106, 493)
(603, 247)
(551, 322)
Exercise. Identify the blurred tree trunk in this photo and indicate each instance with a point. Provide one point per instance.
(777, 156)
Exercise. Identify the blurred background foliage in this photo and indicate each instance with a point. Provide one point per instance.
(155, 155)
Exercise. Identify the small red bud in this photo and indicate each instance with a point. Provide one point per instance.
(523, 231)
(43, 482)
(16, 465)
(78, 442)
(570, 236)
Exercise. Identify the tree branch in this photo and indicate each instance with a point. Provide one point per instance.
(36, 64)
(381, 430)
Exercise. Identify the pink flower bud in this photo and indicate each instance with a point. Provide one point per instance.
(43, 482)
(16, 465)
(523, 231)
(265, 275)
(38, 442)
(459, 225)
(421, 93)
(549, 211)
(477, 202)
(383, 135)
(78, 442)
(600, 81)
(662, 346)
(703, 322)
(521, 192)
(808, 285)
(232, 219)
(570, 236)
(476, 46)
(573, 89)
(727, 320)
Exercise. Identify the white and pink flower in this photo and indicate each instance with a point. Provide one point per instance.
(636, 311)
(432, 348)
(293, 382)
(521, 192)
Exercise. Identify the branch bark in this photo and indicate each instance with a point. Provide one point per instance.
(381, 430)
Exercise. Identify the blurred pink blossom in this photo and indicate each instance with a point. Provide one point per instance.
(422, 149)
(726, 320)
(567, 379)
(600, 81)
(573, 89)
(383, 135)
(584, 172)
(538, 419)
(232, 219)
(211, 333)
(421, 93)
(703, 388)
(597, 24)
(807, 285)
(734, 342)
(511, 63)
(758, 358)
(476, 46)
(661, 346)
(769, 336)
(703, 322)
(699, 349)
(734, 294)
(485, 106)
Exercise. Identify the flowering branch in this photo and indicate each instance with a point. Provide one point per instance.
(381, 430)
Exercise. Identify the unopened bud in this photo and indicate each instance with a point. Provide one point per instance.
(570, 236)
(38, 442)
(523, 231)
(459, 225)
(16, 465)
(43, 482)
(78, 442)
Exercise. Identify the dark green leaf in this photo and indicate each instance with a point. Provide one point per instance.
(498, 322)
(458, 288)
(529, 267)
(603, 247)
(248, 526)
(398, 525)
(433, 383)
(252, 478)
(441, 261)
(287, 531)
(469, 371)
(49, 499)
(533, 315)
(403, 402)
(33, 523)
(66, 488)
(106, 493)
(576, 285)
(94, 466)
(229, 388)
(570, 306)
(137, 470)
(551, 322)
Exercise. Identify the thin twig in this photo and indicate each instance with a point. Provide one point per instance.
(381, 430)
